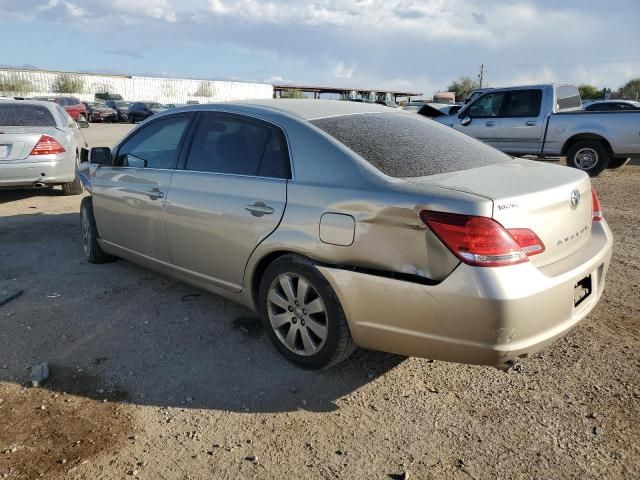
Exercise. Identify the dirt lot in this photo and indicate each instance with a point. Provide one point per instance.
(154, 379)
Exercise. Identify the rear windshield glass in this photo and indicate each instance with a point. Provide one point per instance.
(23, 115)
(408, 145)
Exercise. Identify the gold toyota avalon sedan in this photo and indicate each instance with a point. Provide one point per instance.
(347, 224)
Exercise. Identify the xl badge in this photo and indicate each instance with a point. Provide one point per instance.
(575, 198)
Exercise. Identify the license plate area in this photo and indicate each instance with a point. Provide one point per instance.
(582, 290)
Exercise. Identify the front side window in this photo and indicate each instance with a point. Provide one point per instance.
(523, 103)
(488, 105)
(231, 145)
(154, 146)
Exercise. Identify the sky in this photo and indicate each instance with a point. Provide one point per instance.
(374, 44)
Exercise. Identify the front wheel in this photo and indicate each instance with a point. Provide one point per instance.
(302, 314)
(589, 156)
(92, 250)
(618, 162)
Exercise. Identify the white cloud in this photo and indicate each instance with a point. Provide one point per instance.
(341, 71)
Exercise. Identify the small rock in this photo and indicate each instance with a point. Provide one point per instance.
(339, 452)
(592, 415)
(251, 458)
(374, 407)
(597, 430)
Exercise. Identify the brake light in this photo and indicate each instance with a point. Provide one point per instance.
(482, 241)
(47, 145)
(596, 209)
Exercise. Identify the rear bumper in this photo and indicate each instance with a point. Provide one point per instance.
(488, 316)
(49, 169)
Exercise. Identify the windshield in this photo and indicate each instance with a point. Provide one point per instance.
(24, 115)
(402, 145)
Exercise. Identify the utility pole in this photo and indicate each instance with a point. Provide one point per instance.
(481, 74)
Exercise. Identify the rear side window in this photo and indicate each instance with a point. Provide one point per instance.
(568, 98)
(154, 146)
(25, 115)
(233, 145)
(523, 103)
(406, 145)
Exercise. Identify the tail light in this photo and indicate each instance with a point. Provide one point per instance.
(482, 241)
(46, 146)
(596, 209)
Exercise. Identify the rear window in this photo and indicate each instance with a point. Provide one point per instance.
(406, 145)
(24, 115)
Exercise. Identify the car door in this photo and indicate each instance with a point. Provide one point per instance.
(128, 197)
(228, 197)
(484, 114)
(522, 123)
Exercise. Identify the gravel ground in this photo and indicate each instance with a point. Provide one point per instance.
(154, 379)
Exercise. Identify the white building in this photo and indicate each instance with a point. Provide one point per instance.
(28, 83)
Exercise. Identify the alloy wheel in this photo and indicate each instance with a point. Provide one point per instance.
(297, 314)
(586, 158)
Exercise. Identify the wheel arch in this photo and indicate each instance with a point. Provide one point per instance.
(571, 141)
(261, 266)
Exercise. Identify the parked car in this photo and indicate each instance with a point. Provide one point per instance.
(548, 120)
(39, 146)
(349, 224)
(74, 107)
(99, 112)
(612, 105)
(139, 111)
(121, 107)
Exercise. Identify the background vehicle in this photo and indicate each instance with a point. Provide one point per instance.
(346, 223)
(412, 106)
(99, 112)
(103, 97)
(548, 120)
(139, 111)
(387, 103)
(39, 146)
(74, 107)
(612, 105)
(121, 107)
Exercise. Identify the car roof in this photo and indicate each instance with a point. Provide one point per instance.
(42, 103)
(308, 109)
(632, 102)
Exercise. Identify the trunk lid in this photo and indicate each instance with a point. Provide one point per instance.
(16, 143)
(534, 195)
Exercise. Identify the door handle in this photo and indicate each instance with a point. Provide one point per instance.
(155, 193)
(258, 209)
(490, 124)
(530, 123)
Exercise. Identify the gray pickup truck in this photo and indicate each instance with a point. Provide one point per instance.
(548, 120)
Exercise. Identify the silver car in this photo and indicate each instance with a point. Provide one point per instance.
(40, 146)
(349, 224)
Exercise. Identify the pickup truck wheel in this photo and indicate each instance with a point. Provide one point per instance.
(617, 163)
(589, 156)
(92, 250)
(302, 314)
(75, 187)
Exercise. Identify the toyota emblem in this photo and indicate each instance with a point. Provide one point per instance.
(575, 198)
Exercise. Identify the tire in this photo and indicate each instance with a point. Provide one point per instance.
(617, 163)
(326, 343)
(131, 119)
(590, 156)
(92, 250)
(75, 187)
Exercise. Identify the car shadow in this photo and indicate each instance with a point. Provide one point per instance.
(11, 195)
(119, 332)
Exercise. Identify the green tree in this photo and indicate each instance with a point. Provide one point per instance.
(462, 86)
(292, 93)
(204, 90)
(15, 84)
(66, 83)
(631, 89)
(589, 92)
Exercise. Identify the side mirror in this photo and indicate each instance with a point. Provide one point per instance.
(466, 120)
(100, 156)
(82, 123)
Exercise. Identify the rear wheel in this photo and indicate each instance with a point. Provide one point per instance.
(302, 314)
(589, 156)
(618, 162)
(75, 187)
(131, 119)
(92, 250)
